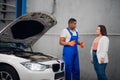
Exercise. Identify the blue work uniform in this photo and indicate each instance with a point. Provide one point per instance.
(70, 56)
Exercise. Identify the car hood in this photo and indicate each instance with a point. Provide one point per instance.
(28, 29)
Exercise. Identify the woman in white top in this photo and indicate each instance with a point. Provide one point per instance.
(99, 52)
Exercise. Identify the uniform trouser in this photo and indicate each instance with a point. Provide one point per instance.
(99, 68)
(71, 60)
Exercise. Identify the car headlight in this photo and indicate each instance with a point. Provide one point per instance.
(35, 66)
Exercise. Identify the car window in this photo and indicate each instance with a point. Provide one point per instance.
(7, 45)
(11, 46)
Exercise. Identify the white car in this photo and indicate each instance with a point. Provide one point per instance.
(17, 60)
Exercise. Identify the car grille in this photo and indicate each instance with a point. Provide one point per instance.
(57, 67)
(62, 66)
(59, 75)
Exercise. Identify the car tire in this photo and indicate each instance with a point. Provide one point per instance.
(8, 73)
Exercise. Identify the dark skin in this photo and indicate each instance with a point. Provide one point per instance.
(72, 27)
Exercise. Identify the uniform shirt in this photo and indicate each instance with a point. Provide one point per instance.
(65, 33)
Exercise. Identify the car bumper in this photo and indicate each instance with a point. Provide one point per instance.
(42, 75)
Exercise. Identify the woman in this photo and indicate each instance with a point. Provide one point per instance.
(99, 52)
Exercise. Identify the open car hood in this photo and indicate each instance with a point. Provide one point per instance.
(28, 29)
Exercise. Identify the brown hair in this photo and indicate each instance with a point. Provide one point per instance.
(103, 30)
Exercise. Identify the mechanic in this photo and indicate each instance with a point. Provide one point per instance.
(69, 39)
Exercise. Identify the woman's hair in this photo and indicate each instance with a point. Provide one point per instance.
(103, 30)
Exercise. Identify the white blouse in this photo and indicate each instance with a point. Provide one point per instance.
(102, 49)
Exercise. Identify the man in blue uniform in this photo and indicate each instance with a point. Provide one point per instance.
(69, 39)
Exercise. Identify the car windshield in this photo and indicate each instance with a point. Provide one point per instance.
(11, 45)
(4, 45)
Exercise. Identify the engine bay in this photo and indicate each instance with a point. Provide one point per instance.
(16, 50)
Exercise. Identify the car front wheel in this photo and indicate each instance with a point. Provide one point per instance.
(8, 73)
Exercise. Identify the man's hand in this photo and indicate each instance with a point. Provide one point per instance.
(82, 44)
(62, 42)
(72, 43)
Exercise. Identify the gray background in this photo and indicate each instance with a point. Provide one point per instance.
(89, 14)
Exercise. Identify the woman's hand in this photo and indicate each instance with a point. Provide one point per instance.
(102, 60)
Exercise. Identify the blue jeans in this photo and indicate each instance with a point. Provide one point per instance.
(99, 68)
